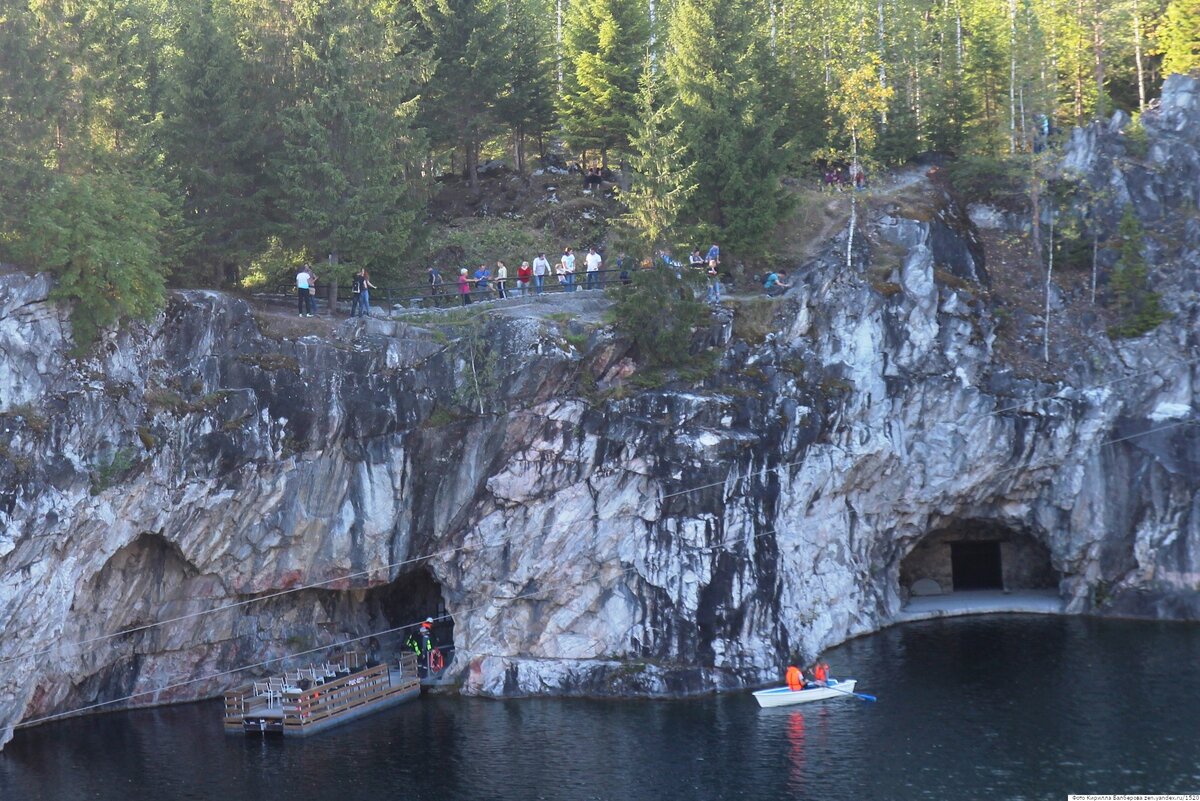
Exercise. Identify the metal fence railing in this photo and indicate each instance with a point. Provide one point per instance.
(446, 294)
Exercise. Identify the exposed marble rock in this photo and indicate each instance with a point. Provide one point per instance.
(586, 536)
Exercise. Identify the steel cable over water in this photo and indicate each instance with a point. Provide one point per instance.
(448, 551)
(79, 644)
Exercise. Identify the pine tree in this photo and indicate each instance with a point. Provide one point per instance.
(1138, 307)
(604, 44)
(662, 180)
(720, 68)
(1179, 37)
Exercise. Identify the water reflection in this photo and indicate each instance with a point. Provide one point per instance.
(990, 707)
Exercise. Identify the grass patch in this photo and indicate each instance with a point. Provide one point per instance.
(752, 319)
(165, 399)
(148, 440)
(271, 362)
(114, 469)
(886, 288)
(34, 419)
(469, 242)
(22, 464)
(951, 280)
(440, 417)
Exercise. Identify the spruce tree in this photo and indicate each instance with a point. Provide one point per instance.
(604, 43)
(214, 138)
(720, 68)
(459, 102)
(662, 179)
(348, 134)
(1138, 307)
(526, 103)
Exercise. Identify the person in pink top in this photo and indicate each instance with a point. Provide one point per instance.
(464, 286)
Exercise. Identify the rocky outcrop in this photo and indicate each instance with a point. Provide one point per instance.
(586, 534)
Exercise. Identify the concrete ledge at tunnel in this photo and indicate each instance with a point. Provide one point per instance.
(981, 602)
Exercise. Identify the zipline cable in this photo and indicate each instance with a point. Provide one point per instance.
(383, 632)
(546, 527)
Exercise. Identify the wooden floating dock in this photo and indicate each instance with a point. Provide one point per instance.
(307, 701)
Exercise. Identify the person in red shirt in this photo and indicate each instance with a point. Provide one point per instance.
(524, 276)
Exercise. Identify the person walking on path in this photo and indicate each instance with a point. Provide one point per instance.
(524, 276)
(306, 285)
(464, 286)
(362, 295)
(714, 283)
(541, 268)
(435, 282)
(568, 269)
(714, 254)
(482, 275)
(592, 262)
(501, 280)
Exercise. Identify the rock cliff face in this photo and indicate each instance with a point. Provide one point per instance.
(584, 535)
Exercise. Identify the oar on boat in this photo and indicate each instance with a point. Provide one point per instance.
(863, 696)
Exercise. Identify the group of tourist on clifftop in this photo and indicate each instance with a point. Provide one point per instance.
(538, 276)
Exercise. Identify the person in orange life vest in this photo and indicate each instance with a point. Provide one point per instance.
(821, 673)
(794, 680)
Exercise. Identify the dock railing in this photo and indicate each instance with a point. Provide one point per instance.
(301, 706)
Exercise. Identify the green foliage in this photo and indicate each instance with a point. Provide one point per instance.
(469, 243)
(479, 378)
(466, 39)
(1179, 37)
(113, 469)
(604, 44)
(526, 101)
(215, 140)
(732, 120)
(662, 180)
(347, 134)
(658, 313)
(101, 236)
(1137, 306)
(1137, 142)
(990, 179)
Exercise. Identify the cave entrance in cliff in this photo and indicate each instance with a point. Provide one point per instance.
(407, 600)
(974, 555)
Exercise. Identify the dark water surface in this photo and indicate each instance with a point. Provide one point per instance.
(975, 708)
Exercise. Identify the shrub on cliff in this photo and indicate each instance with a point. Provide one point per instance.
(1137, 305)
(659, 312)
(101, 234)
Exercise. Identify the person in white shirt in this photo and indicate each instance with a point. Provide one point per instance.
(306, 284)
(593, 261)
(541, 268)
(501, 278)
(568, 267)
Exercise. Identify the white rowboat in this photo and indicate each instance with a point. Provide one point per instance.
(784, 696)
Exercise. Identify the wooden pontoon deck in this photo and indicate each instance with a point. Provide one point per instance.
(307, 701)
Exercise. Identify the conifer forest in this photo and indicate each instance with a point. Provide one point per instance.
(157, 143)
